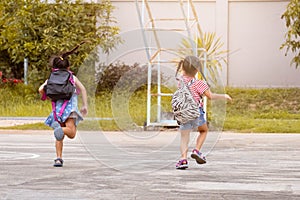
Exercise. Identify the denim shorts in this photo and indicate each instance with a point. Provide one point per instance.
(192, 124)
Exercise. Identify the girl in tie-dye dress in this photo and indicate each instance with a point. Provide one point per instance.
(65, 125)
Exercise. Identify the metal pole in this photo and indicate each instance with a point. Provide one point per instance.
(204, 74)
(25, 70)
(149, 94)
(142, 19)
(25, 59)
(158, 91)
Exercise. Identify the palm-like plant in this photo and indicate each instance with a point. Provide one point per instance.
(210, 45)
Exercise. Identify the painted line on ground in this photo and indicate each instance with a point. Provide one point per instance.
(11, 155)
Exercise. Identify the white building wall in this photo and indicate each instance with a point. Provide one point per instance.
(256, 32)
(253, 31)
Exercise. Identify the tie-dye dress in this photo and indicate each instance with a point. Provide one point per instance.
(71, 111)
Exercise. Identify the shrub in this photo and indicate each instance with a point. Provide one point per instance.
(135, 75)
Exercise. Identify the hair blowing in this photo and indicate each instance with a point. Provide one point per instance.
(62, 61)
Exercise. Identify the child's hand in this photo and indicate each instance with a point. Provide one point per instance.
(227, 97)
(84, 110)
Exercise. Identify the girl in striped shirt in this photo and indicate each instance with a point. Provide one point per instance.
(198, 88)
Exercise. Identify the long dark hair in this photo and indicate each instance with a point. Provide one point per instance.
(62, 61)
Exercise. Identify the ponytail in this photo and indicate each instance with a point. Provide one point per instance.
(62, 62)
(66, 54)
(178, 68)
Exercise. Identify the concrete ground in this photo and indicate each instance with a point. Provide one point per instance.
(141, 165)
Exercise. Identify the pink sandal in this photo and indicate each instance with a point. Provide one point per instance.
(198, 156)
(182, 164)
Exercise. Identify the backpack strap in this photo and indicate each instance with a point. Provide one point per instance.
(71, 79)
(182, 82)
(61, 109)
(191, 82)
(53, 103)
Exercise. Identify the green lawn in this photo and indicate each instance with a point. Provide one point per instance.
(252, 110)
(264, 110)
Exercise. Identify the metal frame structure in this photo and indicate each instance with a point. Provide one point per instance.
(149, 24)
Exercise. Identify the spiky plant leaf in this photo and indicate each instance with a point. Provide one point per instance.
(212, 46)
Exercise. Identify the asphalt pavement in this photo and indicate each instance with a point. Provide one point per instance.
(141, 165)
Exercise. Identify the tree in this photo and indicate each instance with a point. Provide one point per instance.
(36, 29)
(292, 37)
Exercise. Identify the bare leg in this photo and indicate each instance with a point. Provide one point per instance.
(59, 147)
(202, 136)
(184, 143)
(69, 128)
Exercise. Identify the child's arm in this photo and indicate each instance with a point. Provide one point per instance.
(84, 107)
(41, 88)
(42, 91)
(213, 96)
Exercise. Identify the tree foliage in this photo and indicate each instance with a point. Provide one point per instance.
(292, 37)
(36, 30)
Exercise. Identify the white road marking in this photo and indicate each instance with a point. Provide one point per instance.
(10, 155)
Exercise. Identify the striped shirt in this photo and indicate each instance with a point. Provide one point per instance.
(197, 88)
